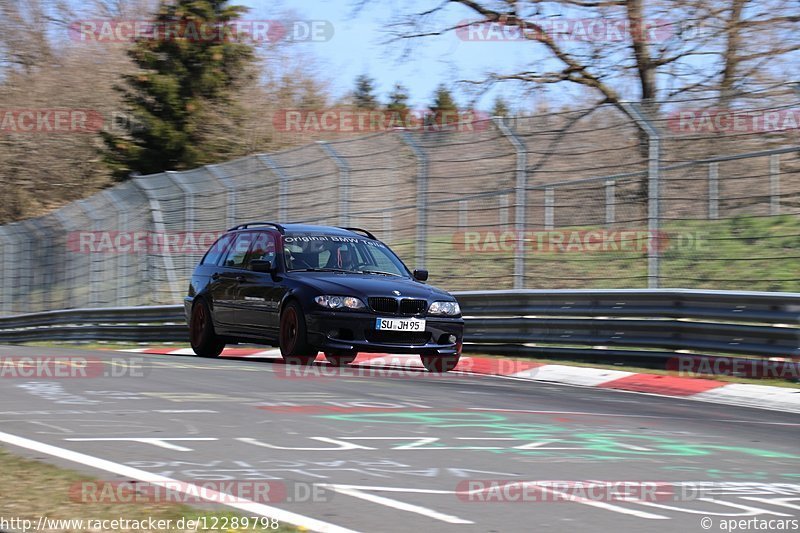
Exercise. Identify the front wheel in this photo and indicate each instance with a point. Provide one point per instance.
(202, 337)
(293, 336)
(340, 358)
(440, 363)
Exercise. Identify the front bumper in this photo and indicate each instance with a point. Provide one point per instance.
(350, 331)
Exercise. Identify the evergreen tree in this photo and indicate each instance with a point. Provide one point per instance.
(398, 107)
(184, 81)
(398, 99)
(500, 108)
(363, 96)
(444, 110)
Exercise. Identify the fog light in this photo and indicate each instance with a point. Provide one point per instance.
(451, 339)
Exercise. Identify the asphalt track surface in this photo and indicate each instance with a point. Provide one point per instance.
(400, 452)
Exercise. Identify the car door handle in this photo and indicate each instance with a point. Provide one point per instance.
(241, 279)
(215, 276)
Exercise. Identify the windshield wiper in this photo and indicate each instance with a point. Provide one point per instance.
(379, 272)
(321, 270)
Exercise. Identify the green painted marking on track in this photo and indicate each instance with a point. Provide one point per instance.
(607, 446)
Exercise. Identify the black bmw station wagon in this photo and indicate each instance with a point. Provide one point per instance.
(318, 288)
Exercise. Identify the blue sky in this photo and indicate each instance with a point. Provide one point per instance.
(358, 47)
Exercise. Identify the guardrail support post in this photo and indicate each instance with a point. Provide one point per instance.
(344, 182)
(653, 190)
(775, 184)
(520, 199)
(283, 186)
(713, 191)
(422, 199)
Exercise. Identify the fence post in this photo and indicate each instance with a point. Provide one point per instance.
(122, 259)
(502, 205)
(775, 184)
(344, 182)
(549, 208)
(520, 197)
(188, 195)
(713, 191)
(653, 190)
(230, 185)
(9, 261)
(283, 186)
(387, 226)
(159, 227)
(68, 284)
(611, 201)
(95, 266)
(422, 199)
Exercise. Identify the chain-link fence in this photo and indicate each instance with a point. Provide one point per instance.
(593, 198)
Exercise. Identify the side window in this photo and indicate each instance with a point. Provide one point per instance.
(238, 251)
(217, 250)
(263, 248)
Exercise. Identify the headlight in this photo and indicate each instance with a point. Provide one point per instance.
(340, 302)
(444, 308)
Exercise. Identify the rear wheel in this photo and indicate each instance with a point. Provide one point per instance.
(202, 337)
(440, 363)
(293, 337)
(340, 358)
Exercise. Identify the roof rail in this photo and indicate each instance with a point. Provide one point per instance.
(275, 225)
(365, 232)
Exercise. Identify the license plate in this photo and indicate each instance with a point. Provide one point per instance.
(400, 324)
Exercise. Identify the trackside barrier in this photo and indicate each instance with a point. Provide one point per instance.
(624, 325)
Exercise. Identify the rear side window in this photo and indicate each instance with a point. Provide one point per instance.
(263, 248)
(238, 250)
(217, 250)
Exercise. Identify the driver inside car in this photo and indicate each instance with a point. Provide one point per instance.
(342, 258)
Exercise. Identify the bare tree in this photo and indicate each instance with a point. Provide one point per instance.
(669, 47)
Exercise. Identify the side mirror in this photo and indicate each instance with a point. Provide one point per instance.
(260, 265)
(421, 275)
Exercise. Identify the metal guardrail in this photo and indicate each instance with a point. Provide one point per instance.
(626, 326)
(632, 325)
(160, 323)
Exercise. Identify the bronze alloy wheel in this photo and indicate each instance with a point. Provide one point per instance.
(292, 337)
(202, 337)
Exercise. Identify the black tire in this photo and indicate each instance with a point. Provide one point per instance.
(293, 336)
(202, 337)
(440, 363)
(340, 358)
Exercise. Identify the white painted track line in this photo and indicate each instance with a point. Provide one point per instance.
(148, 477)
(574, 375)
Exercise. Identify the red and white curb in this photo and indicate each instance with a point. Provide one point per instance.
(706, 390)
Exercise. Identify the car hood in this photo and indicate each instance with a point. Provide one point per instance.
(366, 285)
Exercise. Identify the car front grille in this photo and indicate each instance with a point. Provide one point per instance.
(394, 306)
(383, 305)
(413, 307)
(398, 337)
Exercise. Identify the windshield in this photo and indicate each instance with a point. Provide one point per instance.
(342, 254)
